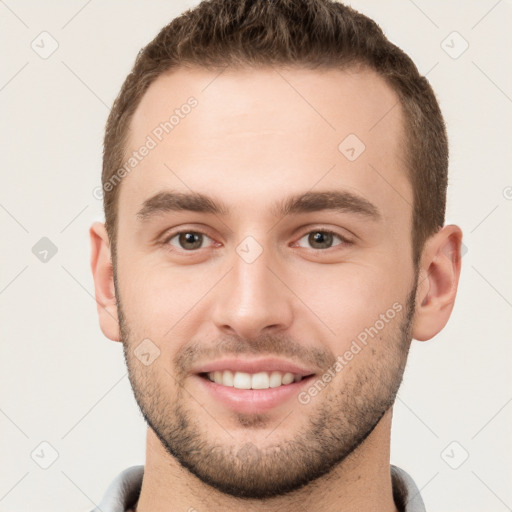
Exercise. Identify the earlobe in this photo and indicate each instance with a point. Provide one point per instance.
(437, 282)
(102, 271)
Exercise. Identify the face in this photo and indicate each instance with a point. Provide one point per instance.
(260, 247)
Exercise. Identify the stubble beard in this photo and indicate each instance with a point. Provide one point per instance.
(336, 426)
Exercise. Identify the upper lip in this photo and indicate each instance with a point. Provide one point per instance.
(254, 366)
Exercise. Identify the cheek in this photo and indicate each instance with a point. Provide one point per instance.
(347, 297)
(159, 300)
(152, 301)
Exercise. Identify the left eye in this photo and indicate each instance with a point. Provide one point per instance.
(321, 239)
(188, 240)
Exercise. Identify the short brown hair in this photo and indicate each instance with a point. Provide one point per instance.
(304, 33)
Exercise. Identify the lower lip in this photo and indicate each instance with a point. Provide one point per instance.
(253, 401)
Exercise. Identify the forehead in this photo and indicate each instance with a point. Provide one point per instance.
(243, 132)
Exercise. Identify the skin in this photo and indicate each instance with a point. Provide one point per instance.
(251, 142)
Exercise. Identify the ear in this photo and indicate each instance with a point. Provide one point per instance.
(438, 280)
(103, 275)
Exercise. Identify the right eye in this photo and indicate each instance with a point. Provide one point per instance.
(187, 240)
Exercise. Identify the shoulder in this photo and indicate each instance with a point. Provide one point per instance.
(405, 492)
(123, 492)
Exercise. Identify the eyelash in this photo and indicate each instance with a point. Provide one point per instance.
(166, 242)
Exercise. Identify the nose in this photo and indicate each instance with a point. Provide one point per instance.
(253, 299)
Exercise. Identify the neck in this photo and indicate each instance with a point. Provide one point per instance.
(361, 483)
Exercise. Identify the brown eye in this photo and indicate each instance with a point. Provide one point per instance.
(187, 240)
(321, 239)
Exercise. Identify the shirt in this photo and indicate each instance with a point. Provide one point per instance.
(124, 491)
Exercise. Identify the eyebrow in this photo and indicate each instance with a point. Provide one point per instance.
(340, 201)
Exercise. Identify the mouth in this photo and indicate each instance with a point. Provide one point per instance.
(253, 393)
(252, 386)
(260, 380)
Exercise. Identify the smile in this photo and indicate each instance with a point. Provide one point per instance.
(260, 380)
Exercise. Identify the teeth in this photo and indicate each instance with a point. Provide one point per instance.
(261, 380)
(227, 378)
(242, 380)
(276, 379)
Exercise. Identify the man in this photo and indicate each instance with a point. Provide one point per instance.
(275, 183)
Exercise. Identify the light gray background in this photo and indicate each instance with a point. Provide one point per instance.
(64, 383)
